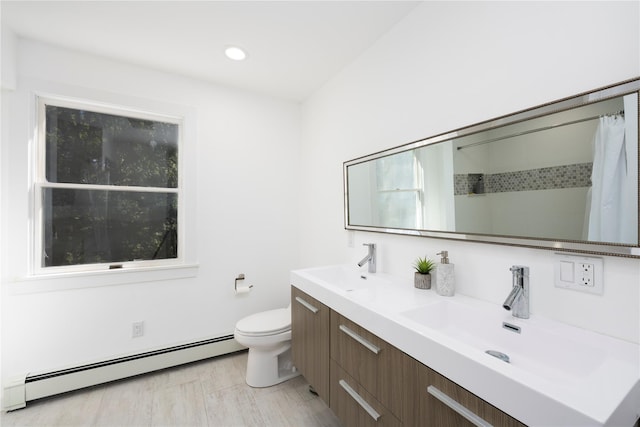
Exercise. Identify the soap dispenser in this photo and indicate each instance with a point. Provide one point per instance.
(445, 278)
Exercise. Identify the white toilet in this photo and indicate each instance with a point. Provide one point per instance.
(268, 336)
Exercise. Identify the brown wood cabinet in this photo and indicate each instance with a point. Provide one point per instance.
(310, 340)
(434, 400)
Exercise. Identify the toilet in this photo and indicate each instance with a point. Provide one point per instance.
(268, 337)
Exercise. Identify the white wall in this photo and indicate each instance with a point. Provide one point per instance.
(242, 168)
(451, 64)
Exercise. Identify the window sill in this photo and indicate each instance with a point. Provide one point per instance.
(95, 279)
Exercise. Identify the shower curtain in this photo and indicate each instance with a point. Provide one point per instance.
(610, 219)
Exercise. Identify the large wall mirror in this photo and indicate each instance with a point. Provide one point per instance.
(562, 176)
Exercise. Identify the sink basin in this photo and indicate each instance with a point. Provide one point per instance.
(545, 349)
(343, 277)
(377, 290)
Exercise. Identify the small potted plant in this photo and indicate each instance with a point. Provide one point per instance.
(422, 278)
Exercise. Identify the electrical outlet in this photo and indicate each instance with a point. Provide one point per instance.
(137, 329)
(580, 273)
(585, 274)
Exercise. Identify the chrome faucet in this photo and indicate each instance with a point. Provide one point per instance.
(518, 300)
(370, 258)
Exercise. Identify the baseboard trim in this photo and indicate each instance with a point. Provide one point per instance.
(33, 387)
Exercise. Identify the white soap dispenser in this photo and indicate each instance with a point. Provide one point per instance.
(445, 278)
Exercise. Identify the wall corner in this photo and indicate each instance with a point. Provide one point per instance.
(8, 59)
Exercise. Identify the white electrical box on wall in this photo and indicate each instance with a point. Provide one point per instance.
(580, 273)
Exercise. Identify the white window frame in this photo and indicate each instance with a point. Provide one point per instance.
(40, 183)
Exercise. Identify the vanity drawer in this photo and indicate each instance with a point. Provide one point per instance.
(310, 339)
(353, 405)
(438, 401)
(369, 360)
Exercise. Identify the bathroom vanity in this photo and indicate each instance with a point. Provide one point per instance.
(380, 352)
(371, 381)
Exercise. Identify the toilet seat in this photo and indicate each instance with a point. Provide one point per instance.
(266, 323)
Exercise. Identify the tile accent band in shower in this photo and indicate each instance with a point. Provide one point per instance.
(555, 177)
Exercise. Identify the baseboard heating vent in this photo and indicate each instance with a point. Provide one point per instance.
(32, 387)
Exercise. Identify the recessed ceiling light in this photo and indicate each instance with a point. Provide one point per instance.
(235, 53)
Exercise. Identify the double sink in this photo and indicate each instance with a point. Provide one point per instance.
(538, 370)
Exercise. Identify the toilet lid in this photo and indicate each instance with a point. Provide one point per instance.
(270, 322)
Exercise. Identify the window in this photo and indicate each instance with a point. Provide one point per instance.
(399, 181)
(107, 187)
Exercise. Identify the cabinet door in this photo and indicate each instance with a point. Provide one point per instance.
(371, 361)
(310, 340)
(438, 401)
(353, 405)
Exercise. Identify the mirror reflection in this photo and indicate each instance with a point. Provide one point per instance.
(569, 175)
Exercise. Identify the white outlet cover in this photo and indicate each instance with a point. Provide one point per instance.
(569, 273)
(137, 329)
(350, 238)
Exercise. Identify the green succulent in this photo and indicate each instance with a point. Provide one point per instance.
(423, 265)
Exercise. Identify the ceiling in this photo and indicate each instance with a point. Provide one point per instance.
(293, 47)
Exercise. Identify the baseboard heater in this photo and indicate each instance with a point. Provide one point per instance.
(33, 387)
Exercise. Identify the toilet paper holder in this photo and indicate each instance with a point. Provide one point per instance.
(240, 277)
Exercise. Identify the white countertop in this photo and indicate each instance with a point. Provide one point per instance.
(608, 394)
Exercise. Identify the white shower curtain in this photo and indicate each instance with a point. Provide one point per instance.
(609, 221)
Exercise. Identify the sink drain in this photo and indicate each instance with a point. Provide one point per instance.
(499, 355)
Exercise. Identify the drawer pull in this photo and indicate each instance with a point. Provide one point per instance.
(308, 306)
(373, 348)
(456, 406)
(359, 400)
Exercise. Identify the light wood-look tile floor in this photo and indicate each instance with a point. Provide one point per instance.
(207, 393)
